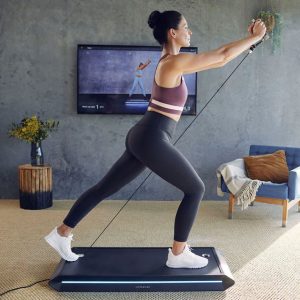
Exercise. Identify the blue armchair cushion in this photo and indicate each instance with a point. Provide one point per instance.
(268, 167)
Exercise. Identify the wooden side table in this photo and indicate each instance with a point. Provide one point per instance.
(35, 186)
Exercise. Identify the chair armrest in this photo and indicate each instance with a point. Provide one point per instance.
(224, 186)
(294, 183)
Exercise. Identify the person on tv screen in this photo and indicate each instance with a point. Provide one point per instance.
(148, 142)
(138, 78)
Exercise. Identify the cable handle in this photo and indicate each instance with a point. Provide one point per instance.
(266, 36)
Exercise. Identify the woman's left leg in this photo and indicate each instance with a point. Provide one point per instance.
(164, 159)
(159, 155)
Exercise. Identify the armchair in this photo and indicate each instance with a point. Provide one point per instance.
(285, 194)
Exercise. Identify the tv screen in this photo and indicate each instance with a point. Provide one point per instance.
(118, 79)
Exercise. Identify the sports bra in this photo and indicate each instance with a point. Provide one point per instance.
(170, 100)
(139, 72)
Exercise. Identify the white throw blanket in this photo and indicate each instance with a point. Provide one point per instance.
(243, 188)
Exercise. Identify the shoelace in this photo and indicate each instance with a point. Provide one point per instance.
(70, 238)
(189, 247)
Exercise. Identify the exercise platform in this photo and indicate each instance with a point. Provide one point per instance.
(129, 269)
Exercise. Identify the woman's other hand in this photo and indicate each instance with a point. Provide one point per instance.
(257, 28)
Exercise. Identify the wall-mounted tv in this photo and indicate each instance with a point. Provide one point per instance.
(118, 79)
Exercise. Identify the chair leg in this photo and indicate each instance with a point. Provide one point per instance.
(284, 213)
(231, 206)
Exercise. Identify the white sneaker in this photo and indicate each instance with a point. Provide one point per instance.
(62, 245)
(186, 259)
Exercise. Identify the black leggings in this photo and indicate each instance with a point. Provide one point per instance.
(148, 144)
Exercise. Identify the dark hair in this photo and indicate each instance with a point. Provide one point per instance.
(162, 22)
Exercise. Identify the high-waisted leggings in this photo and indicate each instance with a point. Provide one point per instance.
(148, 144)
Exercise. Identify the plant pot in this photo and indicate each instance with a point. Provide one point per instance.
(37, 156)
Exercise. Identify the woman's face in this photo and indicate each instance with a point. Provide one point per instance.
(183, 33)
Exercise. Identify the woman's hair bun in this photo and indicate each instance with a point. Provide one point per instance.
(154, 18)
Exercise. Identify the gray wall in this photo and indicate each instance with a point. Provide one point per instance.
(38, 39)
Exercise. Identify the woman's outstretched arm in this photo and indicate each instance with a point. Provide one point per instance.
(189, 63)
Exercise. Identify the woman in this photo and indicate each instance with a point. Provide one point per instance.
(148, 143)
(138, 77)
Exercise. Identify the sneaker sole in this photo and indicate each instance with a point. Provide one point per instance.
(183, 267)
(59, 252)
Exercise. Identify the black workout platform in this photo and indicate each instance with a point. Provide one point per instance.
(124, 269)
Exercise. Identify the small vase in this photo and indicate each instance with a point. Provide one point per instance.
(37, 157)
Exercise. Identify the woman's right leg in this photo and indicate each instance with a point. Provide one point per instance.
(133, 86)
(124, 170)
(142, 87)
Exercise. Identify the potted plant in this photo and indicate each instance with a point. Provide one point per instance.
(33, 130)
(273, 22)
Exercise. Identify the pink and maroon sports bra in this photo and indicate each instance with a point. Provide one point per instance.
(170, 100)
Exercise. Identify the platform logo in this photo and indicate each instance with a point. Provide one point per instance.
(142, 286)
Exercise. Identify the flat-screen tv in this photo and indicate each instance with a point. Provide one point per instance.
(118, 79)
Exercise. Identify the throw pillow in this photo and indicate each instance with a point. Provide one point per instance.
(268, 167)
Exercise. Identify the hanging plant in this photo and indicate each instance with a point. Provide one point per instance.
(273, 22)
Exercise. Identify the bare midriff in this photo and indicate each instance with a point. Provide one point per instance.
(172, 116)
